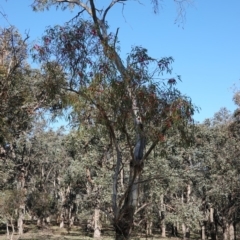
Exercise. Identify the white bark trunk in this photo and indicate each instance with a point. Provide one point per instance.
(225, 231)
(13, 229)
(188, 193)
(231, 232)
(122, 179)
(20, 224)
(149, 227)
(203, 232)
(97, 227)
(163, 228)
(211, 215)
(134, 192)
(183, 231)
(61, 225)
(7, 230)
(162, 215)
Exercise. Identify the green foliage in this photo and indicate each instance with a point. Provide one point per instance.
(11, 201)
(113, 103)
(41, 204)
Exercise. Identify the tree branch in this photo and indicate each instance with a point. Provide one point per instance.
(143, 206)
(77, 2)
(150, 149)
(95, 19)
(109, 7)
(79, 13)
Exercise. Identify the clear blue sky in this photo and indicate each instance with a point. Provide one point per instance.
(206, 48)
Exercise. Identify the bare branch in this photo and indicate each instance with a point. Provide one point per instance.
(181, 9)
(115, 38)
(155, 6)
(5, 17)
(79, 13)
(150, 149)
(143, 206)
(109, 7)
(77, 2)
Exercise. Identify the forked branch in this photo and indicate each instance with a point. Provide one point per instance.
(110, 6)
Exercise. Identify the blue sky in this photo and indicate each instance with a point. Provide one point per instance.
(206, 48)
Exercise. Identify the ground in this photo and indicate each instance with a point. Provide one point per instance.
(55, 233)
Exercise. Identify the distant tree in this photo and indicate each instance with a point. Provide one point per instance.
(20, 97)
(216, 154)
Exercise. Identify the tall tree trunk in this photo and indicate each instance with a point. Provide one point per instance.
(225, 230)
(162, 216)
(188, 192)
(203, 232)
(231, 231)
(174, 230)
(97, 227)
(149, 220)
(234, 227)
(96, 217)
(187, 229)
(124, 219)
(7, 230)
(183, 231)
(61, 225)
(213, 230)
(20, 222)
(13, 229)
(187, 232)
(149, 227)
(124, 211)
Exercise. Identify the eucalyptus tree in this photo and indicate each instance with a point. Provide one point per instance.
(21, 97)
(173, 184)
(82, 57)
(215, 153)
(36, 168)
(90, 174)
(44, 161)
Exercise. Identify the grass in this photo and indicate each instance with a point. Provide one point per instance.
(55, 233)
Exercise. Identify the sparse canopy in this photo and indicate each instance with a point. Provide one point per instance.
(145, 107)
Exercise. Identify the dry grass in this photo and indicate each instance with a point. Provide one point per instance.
(55, 233)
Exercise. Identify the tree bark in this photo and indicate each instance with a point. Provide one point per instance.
(7, 230)
(174, 230)
(149, 227)
(231, 231)
(187, 233)
(13, 230)
(213, 230)
(61, 223)
(124, 224)
(162, 216)
(203, 232)
(149, 220)
(225, 230)
(20, 222)
(97, 227)
(183, 231)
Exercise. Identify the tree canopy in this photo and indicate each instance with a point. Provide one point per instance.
(134, 155)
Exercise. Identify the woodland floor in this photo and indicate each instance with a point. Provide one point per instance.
(54, 233)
